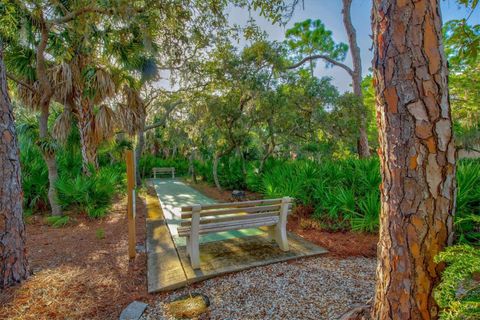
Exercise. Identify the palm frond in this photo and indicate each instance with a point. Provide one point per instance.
(61, 77)
(62, 127)
(29, 98)
(104, 123)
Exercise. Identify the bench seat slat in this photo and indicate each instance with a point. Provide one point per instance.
(206, 213)
(231, 225)
(235, 204)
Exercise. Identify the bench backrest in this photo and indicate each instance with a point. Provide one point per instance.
(161, 170)
(169, 170)
(233, 211)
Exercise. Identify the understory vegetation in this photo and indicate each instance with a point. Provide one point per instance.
(344, 194)
(78, 193)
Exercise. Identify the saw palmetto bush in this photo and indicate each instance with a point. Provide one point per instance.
(77, 193)
(345, 194)
(467, 219)
(92, 195)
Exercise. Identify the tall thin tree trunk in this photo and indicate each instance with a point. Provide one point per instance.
(215, 171)
(46, 92)
(139, 150)
(174, 151)
(363, 148)
(51, 162)
(155, 148)
(417, 156)
(191, 165)
(88, 139)
(269, 147)
(13, 260)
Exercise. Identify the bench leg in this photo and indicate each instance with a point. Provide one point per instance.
(281, 237)
(195, 237)
(281, 227)
(195, 253)
(188, 246)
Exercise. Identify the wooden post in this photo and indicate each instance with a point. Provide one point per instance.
(131, 203)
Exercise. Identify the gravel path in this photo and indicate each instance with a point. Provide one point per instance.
(313, 288)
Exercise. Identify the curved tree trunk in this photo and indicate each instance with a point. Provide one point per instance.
(215, 171)
(13, 260)
(88, 139)
(46, 93)
(363, 148)
(417, 156)
(51, 161)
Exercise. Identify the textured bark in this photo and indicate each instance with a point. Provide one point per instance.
(88, 139)
(13, 260)
(417, 156)
(363, 148)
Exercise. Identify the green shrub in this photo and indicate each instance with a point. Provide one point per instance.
(366, 217)
(344, 193)
(467, 219)
(34, 176)
(459, 292)
(93, 194)
(57, 221)
(100, 233)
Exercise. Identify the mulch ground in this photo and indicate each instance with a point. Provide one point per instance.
(80, 271)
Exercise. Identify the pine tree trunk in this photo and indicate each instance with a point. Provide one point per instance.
(13, 260)
(363, 148)
(417, 156)
(88, 139)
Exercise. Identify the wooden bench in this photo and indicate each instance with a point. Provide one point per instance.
(164, 171)
(202, 219)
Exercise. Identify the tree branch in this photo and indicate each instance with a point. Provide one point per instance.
(74, 14)
(22, 83)
(162, 122)
(323, 57)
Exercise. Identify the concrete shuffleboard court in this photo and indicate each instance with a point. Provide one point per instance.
(223, 252)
